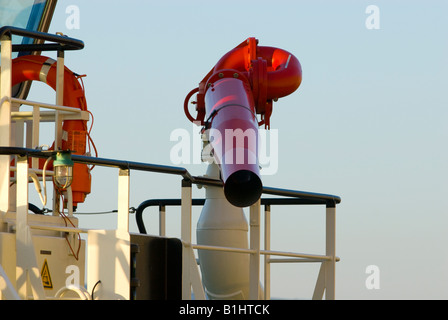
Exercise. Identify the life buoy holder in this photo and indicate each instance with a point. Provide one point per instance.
(74, 132)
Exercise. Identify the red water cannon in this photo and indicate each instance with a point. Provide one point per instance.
(243, 83)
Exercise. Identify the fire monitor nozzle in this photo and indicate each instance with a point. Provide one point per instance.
(243, 83)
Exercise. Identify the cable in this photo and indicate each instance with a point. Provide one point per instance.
(90, 140)
(62, 214)
(101, 212)
(93, 289)
(44, 182)
(131, 210)
(209, 120)
(35, 209)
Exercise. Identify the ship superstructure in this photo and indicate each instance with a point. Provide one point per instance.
(43, 255)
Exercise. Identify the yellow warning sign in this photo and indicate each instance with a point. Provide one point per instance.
(45, 275)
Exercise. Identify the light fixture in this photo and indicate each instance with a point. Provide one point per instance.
(63, 169)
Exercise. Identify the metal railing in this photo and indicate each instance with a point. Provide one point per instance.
(326, 279)
(267, 203)
(58, 42)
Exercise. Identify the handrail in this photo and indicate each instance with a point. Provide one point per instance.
(63, 43)
(200, 202)
(46, 105)
(329, 200)
(295, 197)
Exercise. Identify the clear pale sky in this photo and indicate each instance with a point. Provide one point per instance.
(369, 124)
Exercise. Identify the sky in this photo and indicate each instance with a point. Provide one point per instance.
(368, 124)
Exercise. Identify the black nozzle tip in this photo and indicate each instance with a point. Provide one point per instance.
(243, 188)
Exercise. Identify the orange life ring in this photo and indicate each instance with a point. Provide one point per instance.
(74, 136)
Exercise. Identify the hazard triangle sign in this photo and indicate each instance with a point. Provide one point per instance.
(45, 276)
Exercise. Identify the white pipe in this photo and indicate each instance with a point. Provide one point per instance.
(59, 229)
(225, 249)
(298, 255)
(5, 120)
(224, 274)
(46, 105)
(81, 292)
(303, 257)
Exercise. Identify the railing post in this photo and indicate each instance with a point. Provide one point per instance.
(26, 261)
(5, 119)
(58, 118)
(254, 261)
(35, 134)
(267, 247)
(330, 266)
(22, 232)
(109, 251)
(186, 238)
(59, 99)
(123, 200)
(162, 220)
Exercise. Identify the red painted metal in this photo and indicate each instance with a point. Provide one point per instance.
(273, 73)
(243, 83)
